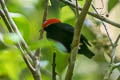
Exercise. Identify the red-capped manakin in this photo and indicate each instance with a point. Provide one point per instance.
(63, 33)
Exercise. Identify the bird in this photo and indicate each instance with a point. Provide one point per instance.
(63, 33)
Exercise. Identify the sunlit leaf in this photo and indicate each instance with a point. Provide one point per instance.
(9, 65)
(11, 38)
(22, 23)
(3, 46)
(48, 43)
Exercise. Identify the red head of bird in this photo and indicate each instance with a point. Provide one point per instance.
(50, 21)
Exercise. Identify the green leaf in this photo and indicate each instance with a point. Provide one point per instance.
(47, 43)
(22, 23)
(3, 46)
(112, 4)
(66, 14)
(11, 38)
(11, 63)
(48, 47)
(61, 59)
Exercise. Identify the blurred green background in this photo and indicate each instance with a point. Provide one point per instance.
(28, 15)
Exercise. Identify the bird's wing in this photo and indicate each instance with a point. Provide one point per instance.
(70, 30)
(66, 28)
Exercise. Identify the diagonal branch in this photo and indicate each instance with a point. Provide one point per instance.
(44, 17)
(112, 64)
(76, 39)
(14, 27)
(5, 20)
(25, 56)
(93, 14)
(24, 47)
(32, 69)
(36, 59)
(103, 25)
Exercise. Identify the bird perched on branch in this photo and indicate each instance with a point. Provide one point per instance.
(63, 33)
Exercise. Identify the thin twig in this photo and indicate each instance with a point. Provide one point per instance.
(114, 48)
(5, 20)
(35, 71)
(76, 39)
(24, 48)
(103, 25)
(36, 59)
(18, 45)
(8, 25)
(44, 17)
(117, 39)
(54, 67)
(32, 69)
(112, 64)
(109, 72)
(77, 9)
(93, 14)
(14, 27)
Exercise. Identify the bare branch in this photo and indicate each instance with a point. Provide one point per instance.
(18, 45)
(117, 39)
(36, 59)
(76, 39)
(77, 9)
(53, 67)
(112, 64)
(93, 14)
(6, 21)
(103, 25)
(114, 48)
(24, 48)
(32, 69)
(44, 17)
(14, 27)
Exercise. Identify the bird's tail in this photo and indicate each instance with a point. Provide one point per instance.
(86, 51)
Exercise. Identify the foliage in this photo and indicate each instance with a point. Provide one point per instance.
(28, 15)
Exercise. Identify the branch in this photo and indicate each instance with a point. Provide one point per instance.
(103, 25)
(32, 69)
(53, 67)
(6, 21)
(36, 59)
(77, 9)
(24, 48)
(14, 27)
(93, 14)
(44, 17)
(76, 39)
(112, 64)
(114, 47)
(18, 45)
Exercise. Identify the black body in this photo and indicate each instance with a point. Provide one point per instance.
(63, 33)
